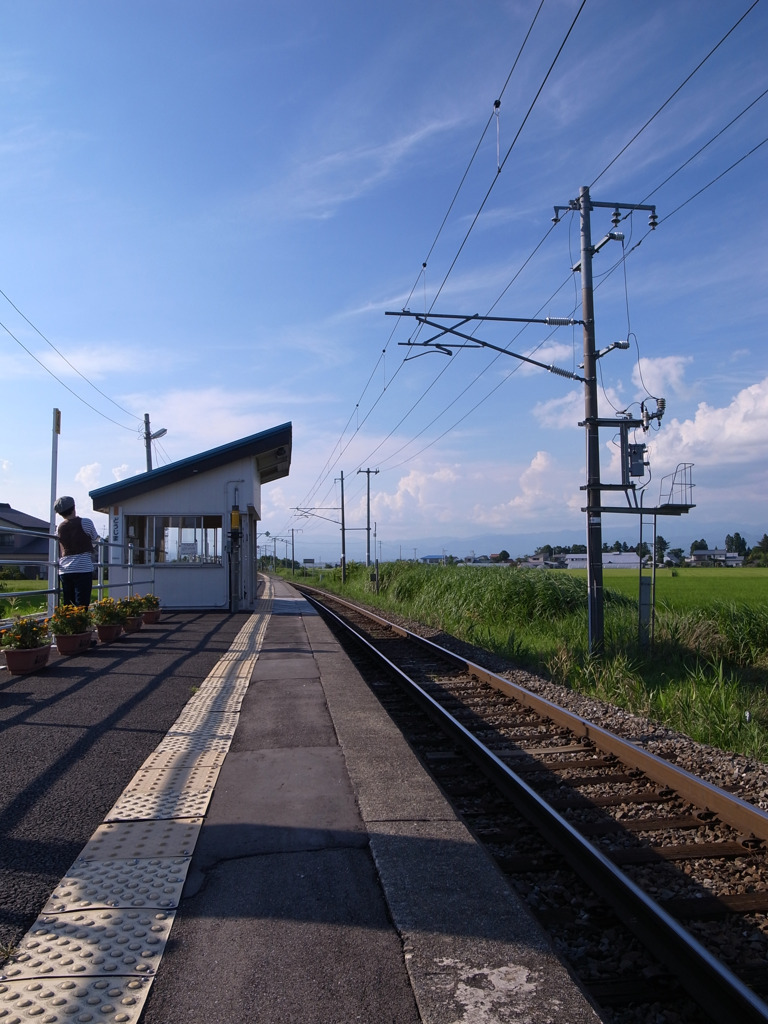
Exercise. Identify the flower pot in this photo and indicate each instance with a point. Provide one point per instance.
(132, 624)
(32, 659)
(109, 631)
(151, 616)
(73, 643)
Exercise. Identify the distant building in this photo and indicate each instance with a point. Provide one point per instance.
(716, 556)
(23, 542)
(432, 559)
(611, 560)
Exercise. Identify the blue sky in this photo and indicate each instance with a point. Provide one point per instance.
(208, 207)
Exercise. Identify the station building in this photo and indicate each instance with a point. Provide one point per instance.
(188, 531)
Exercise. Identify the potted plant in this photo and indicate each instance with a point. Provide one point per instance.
(151, 608)
(134, 611)
(72, 627)
(109, 616)
(27, 644)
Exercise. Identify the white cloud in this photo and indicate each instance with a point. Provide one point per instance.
(317, 188)
(561, 413)
(420, 497)
(547, 492)
(89, 476)
(733, 434)
(122, 472)
(660, 376)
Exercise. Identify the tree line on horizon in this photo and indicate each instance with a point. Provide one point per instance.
(734, 543)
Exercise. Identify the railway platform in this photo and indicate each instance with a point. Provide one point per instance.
(276, 852)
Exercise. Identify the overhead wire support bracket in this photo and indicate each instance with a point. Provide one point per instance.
(444, 329)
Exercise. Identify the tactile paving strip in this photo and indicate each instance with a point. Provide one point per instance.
(104, 942)
(138, 806)
(218, 701)
(113, 912)
(173, 759)
(198, 777)
(186, 742)
(144, 884)
(140, 839)
(82, 1000)
(203, 721)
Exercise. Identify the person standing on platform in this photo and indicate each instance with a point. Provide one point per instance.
(77, 545)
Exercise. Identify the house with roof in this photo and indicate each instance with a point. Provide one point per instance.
(24, 542)
(715, 556)
(188, 531)
(611, 560)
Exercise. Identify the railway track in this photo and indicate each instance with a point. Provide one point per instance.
(651, 881)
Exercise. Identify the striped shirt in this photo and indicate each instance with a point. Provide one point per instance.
(82, 562)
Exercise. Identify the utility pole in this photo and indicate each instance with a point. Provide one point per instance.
(448, 327)
(592, 422)
(293, 550)
(149, 437)
(343, 535)
(368, 527)
(594, 516)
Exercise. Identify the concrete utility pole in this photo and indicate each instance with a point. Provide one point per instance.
(450, 336)
(594, 517)
(368, 527)
(592, 422)
(343, 534)
(149, 437)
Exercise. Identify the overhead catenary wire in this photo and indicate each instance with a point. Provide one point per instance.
(67, 361)
(620, 262)
(669, 99)
(60, 381)
(329, 465)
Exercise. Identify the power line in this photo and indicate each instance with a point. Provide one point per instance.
(477, 215)
(672, 96)
(58, 380)
(61, 356)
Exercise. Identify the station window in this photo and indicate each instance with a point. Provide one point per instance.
(177, 540)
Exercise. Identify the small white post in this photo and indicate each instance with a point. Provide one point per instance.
(53, 551)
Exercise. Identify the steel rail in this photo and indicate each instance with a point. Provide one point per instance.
(712, 985)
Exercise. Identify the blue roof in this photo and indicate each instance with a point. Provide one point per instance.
(271, 449)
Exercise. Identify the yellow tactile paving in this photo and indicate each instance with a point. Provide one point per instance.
(113, 883)
(92, 953)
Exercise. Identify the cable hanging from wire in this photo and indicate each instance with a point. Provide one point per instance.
(422, 270)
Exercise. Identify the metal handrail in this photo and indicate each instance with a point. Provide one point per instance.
(102, 565)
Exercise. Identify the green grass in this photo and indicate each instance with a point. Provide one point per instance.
(687, 589)
(10, 606)
(705, 676)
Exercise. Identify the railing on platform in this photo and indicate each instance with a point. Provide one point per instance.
(10, 598)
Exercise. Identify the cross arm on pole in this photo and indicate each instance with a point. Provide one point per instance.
(453, 329)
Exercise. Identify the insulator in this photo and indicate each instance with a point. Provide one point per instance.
(661, 405)
(653, 220)
(616, 218)
(558, 321)
(559, 372)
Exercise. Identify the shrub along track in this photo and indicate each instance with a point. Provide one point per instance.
(617, 851)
